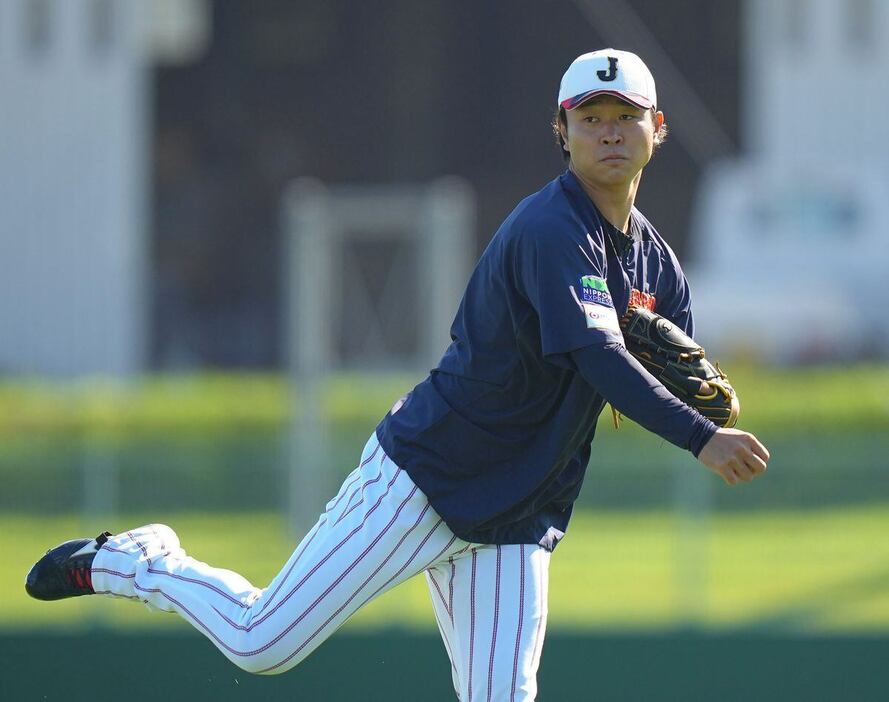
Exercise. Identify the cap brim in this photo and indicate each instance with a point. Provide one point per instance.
(632, 98)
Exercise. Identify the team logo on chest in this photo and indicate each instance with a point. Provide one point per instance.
(642, 299)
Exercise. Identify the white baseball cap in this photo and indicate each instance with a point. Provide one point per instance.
(608, 72)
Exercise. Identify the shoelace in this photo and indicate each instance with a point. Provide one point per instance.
(80, 577)
(79, 572)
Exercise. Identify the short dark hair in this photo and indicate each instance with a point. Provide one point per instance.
(559, 117)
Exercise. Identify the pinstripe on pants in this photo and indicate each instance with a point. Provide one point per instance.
(491, 603)
(378, 531)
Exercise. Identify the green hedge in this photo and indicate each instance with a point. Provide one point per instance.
(784, 400)
(186, 402)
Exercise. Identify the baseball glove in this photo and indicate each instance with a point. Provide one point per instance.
(677, 361)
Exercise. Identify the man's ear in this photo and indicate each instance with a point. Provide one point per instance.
(658, 122)
(660, 131)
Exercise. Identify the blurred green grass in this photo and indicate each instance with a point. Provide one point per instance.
(821, 399)
(812, 571)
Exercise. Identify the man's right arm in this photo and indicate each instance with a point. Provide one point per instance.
(732, 454)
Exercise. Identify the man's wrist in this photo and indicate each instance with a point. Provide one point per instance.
(703, 432)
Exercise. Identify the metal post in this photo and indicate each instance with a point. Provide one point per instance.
(692, 501)
(448, 223)
(317, 221)
(309, 257)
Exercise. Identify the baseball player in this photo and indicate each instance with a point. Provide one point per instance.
(471, 478)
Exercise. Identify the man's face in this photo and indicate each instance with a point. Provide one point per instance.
(610, 141)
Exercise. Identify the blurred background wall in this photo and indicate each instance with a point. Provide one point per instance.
(251, 96)
(153, 145)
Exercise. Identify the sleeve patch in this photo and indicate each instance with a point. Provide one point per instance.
(594, 290)
(599, 317)
(596, 305)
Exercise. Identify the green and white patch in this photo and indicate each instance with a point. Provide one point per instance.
(595, 290)
(596, 304)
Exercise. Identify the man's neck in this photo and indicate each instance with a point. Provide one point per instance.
(615, 204)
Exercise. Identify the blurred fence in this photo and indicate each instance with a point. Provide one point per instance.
(246, 470)
(220, 443)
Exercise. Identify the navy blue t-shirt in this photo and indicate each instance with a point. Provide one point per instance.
(498, 436)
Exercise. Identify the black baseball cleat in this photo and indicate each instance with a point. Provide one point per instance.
(65, 570)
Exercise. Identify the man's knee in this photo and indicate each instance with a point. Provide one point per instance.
(262, 664)
(255, 655)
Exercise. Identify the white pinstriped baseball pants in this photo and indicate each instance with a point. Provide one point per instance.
(490, 601)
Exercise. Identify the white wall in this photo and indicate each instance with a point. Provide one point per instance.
(73, 187)
(790, 243)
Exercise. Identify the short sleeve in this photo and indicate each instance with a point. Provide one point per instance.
(675, 302)
(565, 283)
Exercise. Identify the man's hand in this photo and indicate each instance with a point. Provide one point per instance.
(734, 455)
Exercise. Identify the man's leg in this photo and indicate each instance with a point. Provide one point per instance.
(377, 532)
(491, 603)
